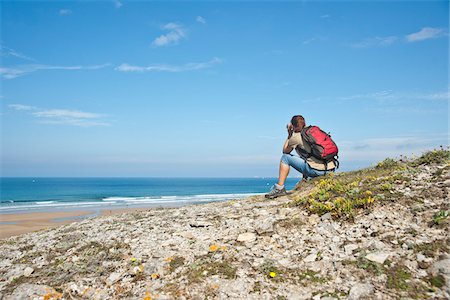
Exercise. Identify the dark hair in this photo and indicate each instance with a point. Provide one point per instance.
(298, 121)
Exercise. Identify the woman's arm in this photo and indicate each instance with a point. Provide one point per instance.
(286, 148)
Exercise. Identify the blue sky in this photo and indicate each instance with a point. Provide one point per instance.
(137, 88)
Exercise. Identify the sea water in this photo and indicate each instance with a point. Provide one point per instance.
(55, 194)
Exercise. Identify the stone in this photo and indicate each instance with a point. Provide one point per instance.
(28, 271)
(378, 257)
(113, 278)
(187, 235)
(313, 219)
(350, 248)
(446, 183)
(326, 216)
(265, 226)
(200, 223)
(246, 237)
(32, 291)
(310, 258)
(75, 259)
(360, 291)
(441, 267)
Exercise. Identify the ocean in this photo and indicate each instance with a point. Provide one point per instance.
(18, 195)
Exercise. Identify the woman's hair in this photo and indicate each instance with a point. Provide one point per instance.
(298, 121)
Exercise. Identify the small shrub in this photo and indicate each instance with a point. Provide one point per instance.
(398, 277)
(440, 216)
(437, 156)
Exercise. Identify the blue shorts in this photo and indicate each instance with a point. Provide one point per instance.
(301, 165)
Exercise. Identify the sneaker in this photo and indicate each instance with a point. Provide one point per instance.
(274, 193)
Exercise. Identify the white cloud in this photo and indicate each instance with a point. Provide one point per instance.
(17, 71)
(64, 113)
(118, 4)
(64, 11)
(380, 148)
(325, 16)
(376, 42)
(200, 19)
(169, 68)
(314, 39)
(5, 51)
(63, 116)
(175, 34)
(388, 95)
(21, 107)
(425, 34)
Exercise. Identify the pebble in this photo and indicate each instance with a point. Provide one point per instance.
(113, 278)
(360, 291)
(379, 257)
(28, 271)
(246, 237)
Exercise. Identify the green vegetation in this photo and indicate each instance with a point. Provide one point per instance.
(434, 248)
(311, 276)
(269, 267)
(342, 194)
(282, 274)
(206, 266)
(437, 156)
(437, 281)
(440, 217)
(176, 262)
(291, 223)
(398, 278)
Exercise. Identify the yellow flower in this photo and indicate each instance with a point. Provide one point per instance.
(133, 260)
(213, 248)
(155, 276)
(147, 296)
(272, 274)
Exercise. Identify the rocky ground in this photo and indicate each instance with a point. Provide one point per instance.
(391, 241)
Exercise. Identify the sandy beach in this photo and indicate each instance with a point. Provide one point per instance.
(16, 224)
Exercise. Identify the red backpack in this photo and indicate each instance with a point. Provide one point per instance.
(322, 146)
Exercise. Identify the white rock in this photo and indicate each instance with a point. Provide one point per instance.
(28, 271)
(326, 216)
(265, 226)
(313, 219)
(310, 258)
(200, 223)
(441, 267)
(379, 245)
(360, 291)
(75, 259)
(187, 235)
(74, 288)
(349, 248)
(378, 257)
(113, 278)
(29, 291)
(246, 237)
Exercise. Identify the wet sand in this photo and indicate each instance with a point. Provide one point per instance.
(16, 224)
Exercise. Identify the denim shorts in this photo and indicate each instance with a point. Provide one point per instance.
(301, 165)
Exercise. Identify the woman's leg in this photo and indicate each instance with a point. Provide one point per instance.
(284, 172)
(287, 161)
